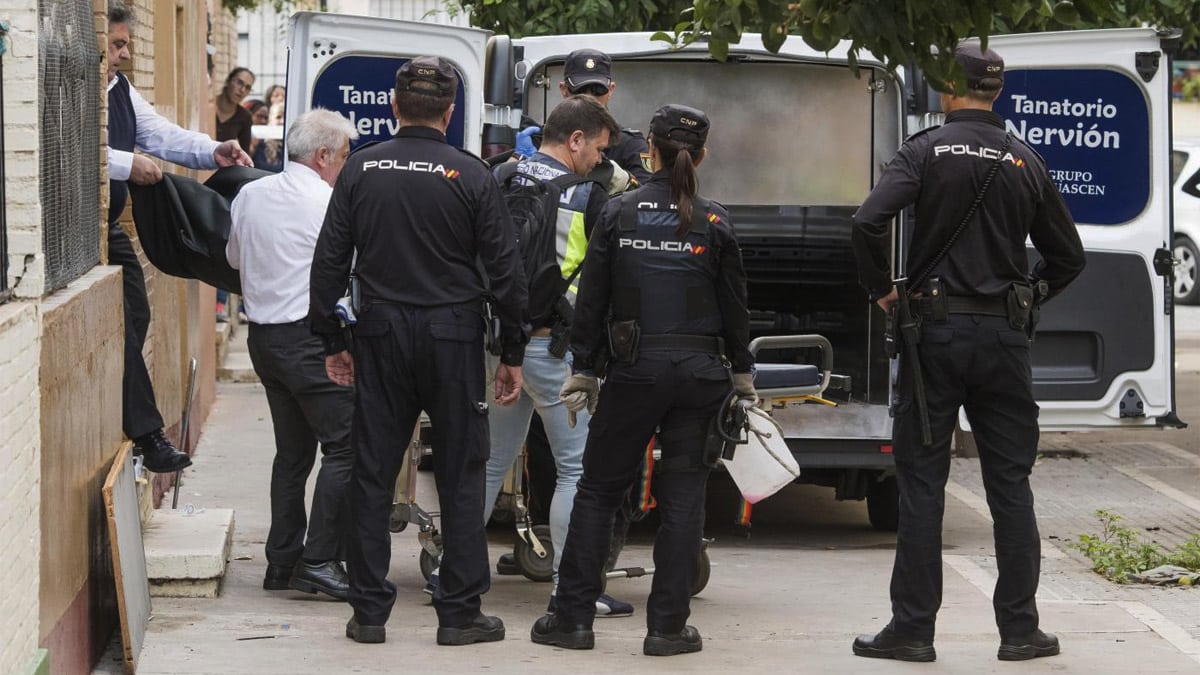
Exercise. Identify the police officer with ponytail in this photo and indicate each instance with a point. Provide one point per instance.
(665, 270)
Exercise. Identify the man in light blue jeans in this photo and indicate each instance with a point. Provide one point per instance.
(574, 137)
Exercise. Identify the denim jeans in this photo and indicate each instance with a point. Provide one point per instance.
(544, 375)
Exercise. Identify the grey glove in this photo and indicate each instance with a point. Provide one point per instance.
(579, 391)
(743, 386)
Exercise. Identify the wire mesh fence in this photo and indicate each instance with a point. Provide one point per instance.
(69, 147)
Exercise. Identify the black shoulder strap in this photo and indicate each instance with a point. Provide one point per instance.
(915, 285)
(505, 171)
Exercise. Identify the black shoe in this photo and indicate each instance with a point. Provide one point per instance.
(548, 630)
(507, 565)
(685, 641)
(277, 577)
(886, 644)
(1028, 647)
(327, 577)
(480, 629)
(158, 454)
(372, 635)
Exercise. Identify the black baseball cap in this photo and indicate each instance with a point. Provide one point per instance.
(984, 68)
(587, 66)
(680, 123)
(432, 70)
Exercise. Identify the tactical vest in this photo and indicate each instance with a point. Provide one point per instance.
(666, 283)
(122, 135)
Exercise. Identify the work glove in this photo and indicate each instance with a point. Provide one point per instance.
(579, 391)
(743, 386)
(525, 146)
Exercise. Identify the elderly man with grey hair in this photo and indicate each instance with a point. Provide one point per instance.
(276, 221)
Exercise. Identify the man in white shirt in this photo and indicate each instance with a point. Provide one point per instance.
(132, 123)
(276, 221)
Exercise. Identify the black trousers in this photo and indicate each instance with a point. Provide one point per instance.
(307, 408)
(677, 394)
(139, 414)
(408, 359)
(981, 364)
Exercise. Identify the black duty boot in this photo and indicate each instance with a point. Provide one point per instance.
(364, 633)
(158, 454)
(550, 630)
(1028, 647)
(277, 577)
(507, 565)
(886, 644)
(480, 629)
(327, 577)
(669, 644)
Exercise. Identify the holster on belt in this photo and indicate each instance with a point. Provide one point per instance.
(491, 326)
(1041, 290)
(623, 337)
(1019, 303)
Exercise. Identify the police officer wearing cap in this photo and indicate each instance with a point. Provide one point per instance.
(588, 71)
(973, 302)
(423, 215)
(664, 266)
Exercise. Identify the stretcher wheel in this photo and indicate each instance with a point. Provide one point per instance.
(396, 522)
(701, 571)
(533, 567)
(429, 562)
(883, 505)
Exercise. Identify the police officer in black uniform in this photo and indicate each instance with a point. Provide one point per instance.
(422, 215)
(664, 263)
(974, 311)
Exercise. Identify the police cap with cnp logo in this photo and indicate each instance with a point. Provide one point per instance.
(435, 75)
(984, 68)
(680, 123)
(587, 66)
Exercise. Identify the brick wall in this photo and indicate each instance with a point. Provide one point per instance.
(19, 341)
(19, 484)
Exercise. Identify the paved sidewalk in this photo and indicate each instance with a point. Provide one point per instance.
(789, 599)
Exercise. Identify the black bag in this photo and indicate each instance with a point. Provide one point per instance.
(533, 204)
(183, 226)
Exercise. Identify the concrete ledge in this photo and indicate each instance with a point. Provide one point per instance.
(237, 368)
(222, 341)
(185, 588)
(187, 548)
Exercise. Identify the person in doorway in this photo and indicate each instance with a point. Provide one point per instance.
(133, 124)
(234, 121)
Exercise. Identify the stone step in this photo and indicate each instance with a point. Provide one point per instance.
(186, 551)
(237, 368)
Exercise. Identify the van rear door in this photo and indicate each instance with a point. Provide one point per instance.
(1095, 104)
(348, 64)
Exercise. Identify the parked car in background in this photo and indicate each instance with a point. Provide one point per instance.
(1185, 179)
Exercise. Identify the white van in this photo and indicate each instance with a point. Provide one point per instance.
(797, 143)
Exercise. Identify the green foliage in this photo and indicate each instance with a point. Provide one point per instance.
(1119, 552)
(558, 17)
(235, 6)
(921, 32)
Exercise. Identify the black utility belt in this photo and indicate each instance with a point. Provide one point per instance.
(686, 343)
(938, 307)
